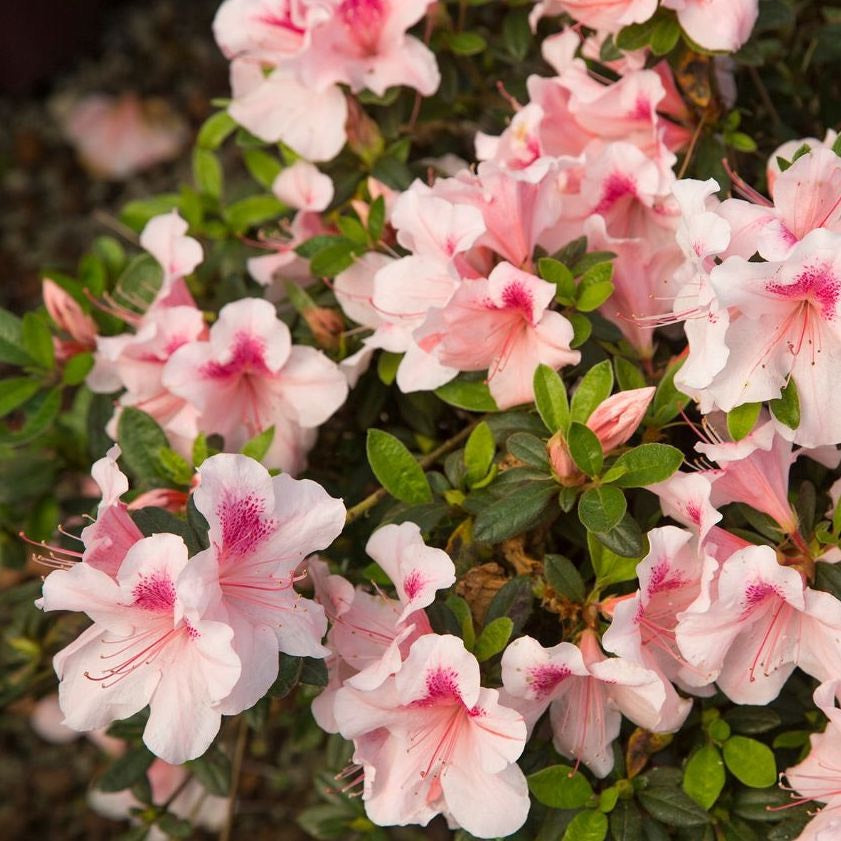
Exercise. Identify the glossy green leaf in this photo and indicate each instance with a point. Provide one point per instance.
(479, 452)
(559, 787)
(550, 397)
(494, 638)
(644, 465)
(750, 761)
(601, 509)
(585, 449)
(594, 388)
(396, 469)
(742, 419)
(704, 777)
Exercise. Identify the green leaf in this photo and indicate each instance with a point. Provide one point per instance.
(207, 172)
(585, 449)
(466, 43)
(41, 413)
(327, 821)
(515, 600)
(396, 469)
(461, 610)
(742, 419)
(137, 213)
(259, 445)
(625, 540)
(11, 330)
(472, 395)
(595, 287)
(376, 218)
(636, 36)
(587, 826)
(493, 638)
(200, 450)
(672, 807)
(77, 368)
(559, 787)
(594, 388)
(127, 770)
(37, 341)
(582, 328)
(601, 509)
(522, 509)
(628, 375)
(174, 827)
(749, 719)
(751, 762)
(626, 822)
(554, 271)
(529, 449)
(151, 520)
(665, 35)
(333, 260)
(140, 440)
(215, 129)
(140, 280)
(314, 671)
(15, 392)
(668, 402)
(213, 771)
(550, 397)
(563, 577)
(704, 777)
(174, 466)
(786, 408)
(288, 675)
(479, 452)
(252, 211)
(264, 168)
(516, 33)
(352, 229)
(610, 568)
(644, 465)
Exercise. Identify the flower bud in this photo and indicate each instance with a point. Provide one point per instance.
(616, 420)
(68, 315)
(563, 466)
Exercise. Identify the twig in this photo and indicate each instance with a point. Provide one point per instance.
(765, 96)
(692, 143)
(115, 225)
(428, 460)
(239, 753)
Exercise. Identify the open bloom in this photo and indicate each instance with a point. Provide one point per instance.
(716, 24)
(165, 238)
(509, 310)
(150, 643)
(249, 377)
(261, 528)
(673, 576)
(761, 622)
(586, 694)
(431, 740)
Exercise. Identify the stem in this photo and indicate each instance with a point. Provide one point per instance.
(692, 143)
(428, 460)
(239, 753)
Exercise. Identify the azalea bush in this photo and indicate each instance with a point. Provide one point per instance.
(471, 419)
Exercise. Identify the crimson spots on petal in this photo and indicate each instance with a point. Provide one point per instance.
(413, 583)
(757, 592)
(154, 592)
(515, 296)
(660, 581)
(616, 186)
(816, 284)
(441, 684)
(244, 526)
(363, 20)
(544, 679)
(248, 357)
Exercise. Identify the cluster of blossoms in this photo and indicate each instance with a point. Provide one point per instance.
(459, 281)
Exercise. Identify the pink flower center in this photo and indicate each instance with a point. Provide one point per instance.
(515, 296)
(243, 525)
(413, 583)
(154, 592)
(364, 19)
(660, 581)
(282, 19)
(816, 284)
(441, 684)
(616, 186)
(544, 679)
(248, 357)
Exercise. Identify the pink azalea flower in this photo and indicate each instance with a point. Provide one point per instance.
(249, 377)
(303, 187)
(431, 740)
(608, 15)
(818, 776)
(371, 634)
(787, 150)
(586, 694)
(261, 528)
(685, 497)
(68, 316)
(364, 44)
(279, 107)
(675, 575)
(783, 324)
(108, 539)
(150, 644)
(762, 622)
(164, 237)
(136, 362)
(115, 137)
(716, 24)
(510, 311)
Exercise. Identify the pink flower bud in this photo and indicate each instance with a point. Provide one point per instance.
(616, 420)
(68, 315)
(562, 464)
